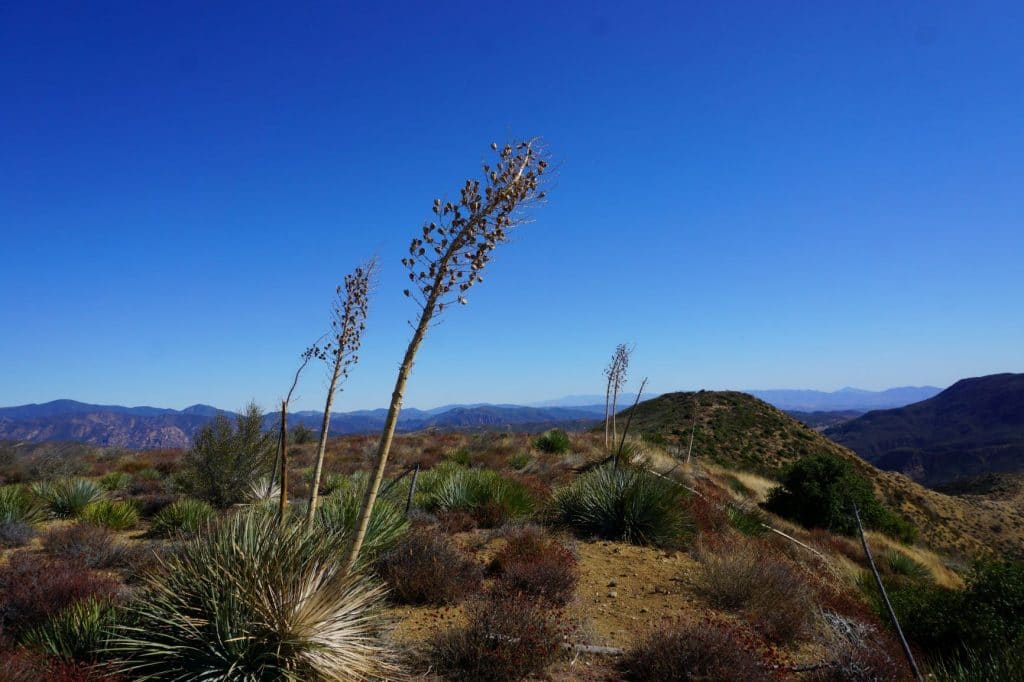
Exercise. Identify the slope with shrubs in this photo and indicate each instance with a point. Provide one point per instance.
(740, 432)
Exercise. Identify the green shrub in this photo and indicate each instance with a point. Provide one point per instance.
(519, 460)
(460, 456)
(115, 481)
(490, 498)
(339, 513)
(301, 434)
(252, 599)
(114, 515)
(19, 506)
(553, 442)
(225, 459)
(624, 504)
(68, 498)
(748, 520)
(186, 516)
(79, 632)
(819, 491)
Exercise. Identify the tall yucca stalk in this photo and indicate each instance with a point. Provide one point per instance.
(448, 258)
(347, 326)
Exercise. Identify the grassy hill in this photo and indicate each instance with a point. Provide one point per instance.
(738, 431)
(974, 427)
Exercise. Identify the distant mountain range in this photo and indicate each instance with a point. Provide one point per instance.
(155, 427)
(844, 398)
(974, 427)
(152, 427)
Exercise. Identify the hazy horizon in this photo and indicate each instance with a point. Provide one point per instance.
(755, 195)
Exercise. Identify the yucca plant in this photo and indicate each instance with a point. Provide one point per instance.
(186, 515)
(339, 513)
(79, 632)
(121, 515)
(623, 504)
(115, 481)
(19, 506)
(263, 489)
(902, 565)
(486, 495)
(252, 599)
(68, 498)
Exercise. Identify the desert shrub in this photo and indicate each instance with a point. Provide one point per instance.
(286, 609)
(148, 505)
(503, 639)
(339, 513)
(707, 650)
(301, 434)
(16, 534)
(772, 592)
(25, 665)
(623, 504)
(84, 544)
(553, 442)
(519, 460)
(19, 506)
(226, 458)
(459, 456)
(456, 521)
(33, 588)
(490, 498)
(121, 515)
(78, 632)
(866, 662)
(68, 498)
(115, 481)
(535, 564)
(186, 516)
(819, 491)
(425, 567)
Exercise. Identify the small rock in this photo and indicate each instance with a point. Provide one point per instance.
(644, 609)
(613, 594)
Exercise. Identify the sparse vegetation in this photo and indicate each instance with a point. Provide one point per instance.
(623, 504)
(534, 564)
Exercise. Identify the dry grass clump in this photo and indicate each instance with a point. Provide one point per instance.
(774, 594)
(535, 564)
(709, 650)
(427, 568)
(84, 544)
(504, 638)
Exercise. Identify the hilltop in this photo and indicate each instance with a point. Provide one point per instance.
(738, 431)
(974, 427)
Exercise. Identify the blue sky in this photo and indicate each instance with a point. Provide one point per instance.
(758, 195)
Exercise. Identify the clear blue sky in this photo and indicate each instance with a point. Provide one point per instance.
(759, 195)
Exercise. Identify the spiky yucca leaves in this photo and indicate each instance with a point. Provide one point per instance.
(68, 498)
(120, 515)
(254, 600)
(486, 495)
(186, 516)
(115, 480)
(339, 513)
(263, 490)
(18, 505)
(623, 504)
(79, 632)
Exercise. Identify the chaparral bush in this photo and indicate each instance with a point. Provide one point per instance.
(535, 564)
(426, 567)
(83, 544)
